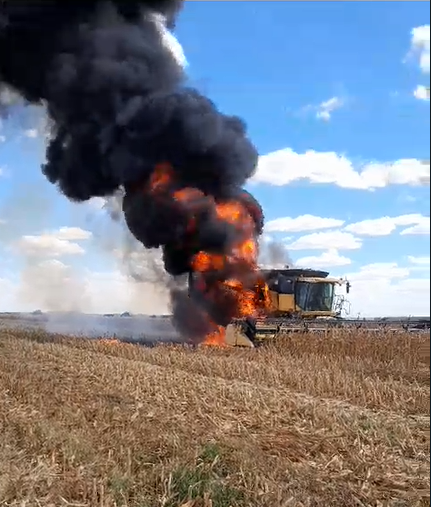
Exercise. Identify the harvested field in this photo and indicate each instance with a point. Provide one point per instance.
(310, 421)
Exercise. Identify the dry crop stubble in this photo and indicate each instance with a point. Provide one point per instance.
(341, 420)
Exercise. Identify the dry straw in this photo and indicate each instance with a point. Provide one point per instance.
(308, 421)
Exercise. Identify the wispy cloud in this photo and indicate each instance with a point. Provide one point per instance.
(420, 47)
(325, 109)
(420, 51)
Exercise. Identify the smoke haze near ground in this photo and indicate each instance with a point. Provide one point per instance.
(52, 286)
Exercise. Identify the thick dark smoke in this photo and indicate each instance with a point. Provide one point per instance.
(119, 105)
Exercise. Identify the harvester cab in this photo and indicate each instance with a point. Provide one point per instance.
(302, 293)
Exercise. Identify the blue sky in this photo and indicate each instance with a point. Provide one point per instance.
(333, 97)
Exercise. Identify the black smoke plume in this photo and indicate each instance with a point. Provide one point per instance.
(119, 105)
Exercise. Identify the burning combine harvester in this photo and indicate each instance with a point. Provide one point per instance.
(111, 78)
(298, 300)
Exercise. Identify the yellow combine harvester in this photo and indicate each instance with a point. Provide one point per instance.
(306, 300)
(301, 299)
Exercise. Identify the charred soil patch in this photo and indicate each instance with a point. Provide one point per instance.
(339, 421)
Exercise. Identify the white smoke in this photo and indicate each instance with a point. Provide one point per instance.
(51, 285)
(169, 40)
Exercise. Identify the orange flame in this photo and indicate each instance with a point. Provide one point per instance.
(109, 341)
(216, 338)
(160, 178)
(250, 302)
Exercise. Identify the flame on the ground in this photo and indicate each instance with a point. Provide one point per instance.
(216, 338)
(109, 341)
(241, 260)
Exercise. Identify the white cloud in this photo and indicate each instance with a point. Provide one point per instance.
(328, 259)
(419, 261)
(386, 289)
(420, 46)
(337, 240)
(285, 166)
(382, 226)
(385, 225)
(72, 233)
(301, 223)
(422, 93)
(31, 133)
(53, 244)
(326, 108)
(45, 244)
(421, 228)
(420, 49)
(380, 270)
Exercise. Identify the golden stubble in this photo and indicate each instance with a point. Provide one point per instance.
(339, 420)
